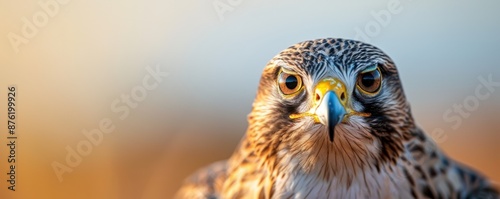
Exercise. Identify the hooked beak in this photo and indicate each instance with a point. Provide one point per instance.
(330, 101)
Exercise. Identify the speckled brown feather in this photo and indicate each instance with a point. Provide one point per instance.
(383, 155)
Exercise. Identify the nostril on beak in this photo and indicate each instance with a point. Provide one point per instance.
(318, 97)
(342, 97)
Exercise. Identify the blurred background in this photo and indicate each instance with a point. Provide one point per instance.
(76, 63)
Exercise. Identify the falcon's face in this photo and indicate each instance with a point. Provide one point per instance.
(330, 97)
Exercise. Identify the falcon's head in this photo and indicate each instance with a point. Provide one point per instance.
(329, 105)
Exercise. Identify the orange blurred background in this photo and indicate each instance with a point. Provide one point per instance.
(82, 58)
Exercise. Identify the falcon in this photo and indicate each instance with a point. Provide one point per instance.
(330, 120)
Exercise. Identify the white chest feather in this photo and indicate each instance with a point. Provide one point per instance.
(367, 184)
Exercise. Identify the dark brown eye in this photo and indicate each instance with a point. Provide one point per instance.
(369, 82)
(289, 83)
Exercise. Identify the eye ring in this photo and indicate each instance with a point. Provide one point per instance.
(288, 83)
(369, 81)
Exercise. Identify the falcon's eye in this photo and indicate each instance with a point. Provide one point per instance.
(289, 83)
(369, 81)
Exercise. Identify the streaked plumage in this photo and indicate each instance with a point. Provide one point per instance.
(292, 149)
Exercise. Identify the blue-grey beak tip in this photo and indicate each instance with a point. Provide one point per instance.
(336, 113)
